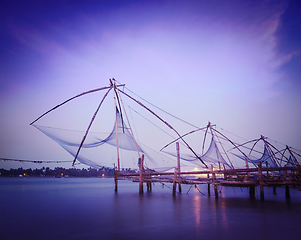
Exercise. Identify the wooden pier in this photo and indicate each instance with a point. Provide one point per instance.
(247, 177)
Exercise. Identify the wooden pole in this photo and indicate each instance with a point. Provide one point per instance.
(87, 131)
(199, 129)
(179, 166)
(95, 90)
(128, 122)
(247, 166)
(180, 187)
(293, 157)
(174, 187)
(214, 183)
(215, 191)
(246, 161)
(252, 192)
(287, 192)
(208, 185)
(272, 155)
(261, 181)
(115, 180)
(116, 128)
(141, 160)
(116, 184)
(149, 183)
(274, 190)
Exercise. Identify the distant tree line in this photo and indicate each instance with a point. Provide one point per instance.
(60, 172)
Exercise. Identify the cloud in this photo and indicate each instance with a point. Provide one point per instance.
(289, 38)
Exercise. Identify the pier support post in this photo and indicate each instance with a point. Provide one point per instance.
(180, 188)
(116, 184)
(141, 174)
(215, 185)
(215, 191)
(252, 192)
(287, 189)
(274, 190)
(261, 181)
(208, 185)
(261, 193)
(149, 183)
(287, 192)
(115, 179)
(174, 187)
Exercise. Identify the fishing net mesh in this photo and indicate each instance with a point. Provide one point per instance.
(100, 149)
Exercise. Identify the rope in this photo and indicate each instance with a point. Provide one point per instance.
(189, 188)
(150, 122)
(168, 187)
(32, 161)
(161, 109)
(231, 133)
(199, 190)
(136, 133)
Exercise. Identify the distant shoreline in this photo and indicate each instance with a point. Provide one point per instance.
(59, 172)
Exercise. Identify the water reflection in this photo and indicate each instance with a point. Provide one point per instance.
(177, 209)
(197, 212)
(99, 213)
(210, 213)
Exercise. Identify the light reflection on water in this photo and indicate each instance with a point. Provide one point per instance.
(197, 212)
(224, 216)
(90, 209)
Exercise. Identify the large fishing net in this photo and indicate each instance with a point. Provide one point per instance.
(212, 157)
(265, 158)
(100, 151)
(274, 154)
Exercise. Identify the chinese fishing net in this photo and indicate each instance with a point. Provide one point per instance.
(100, 151)
(211, 157)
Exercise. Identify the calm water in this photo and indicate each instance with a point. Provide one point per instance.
(88, 208)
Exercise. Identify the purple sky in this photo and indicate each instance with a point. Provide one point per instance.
(234, 63)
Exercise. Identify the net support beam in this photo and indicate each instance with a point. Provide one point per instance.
(81, 94)
(92, 120)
